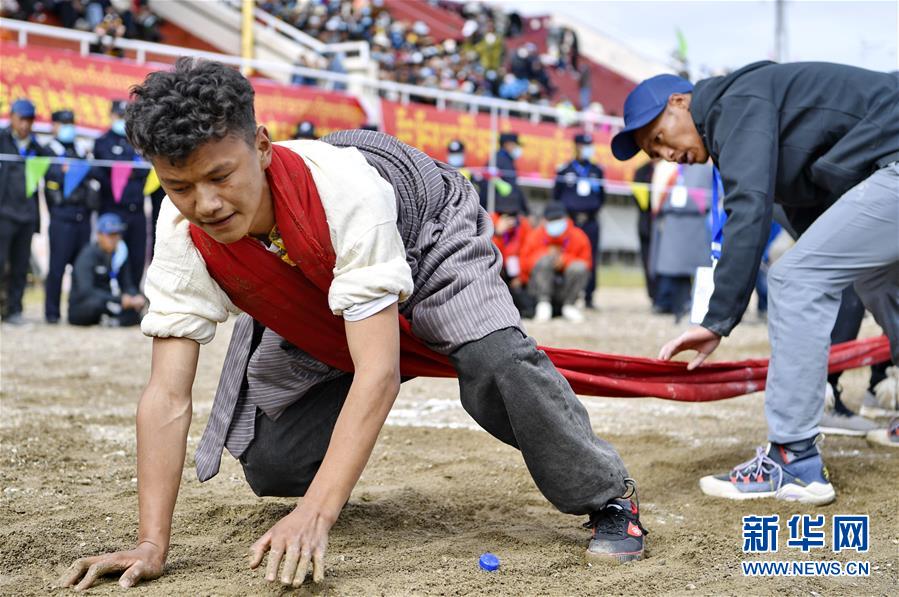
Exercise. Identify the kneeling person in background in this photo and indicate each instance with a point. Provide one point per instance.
(510, 231)
(103, 289)
(556, 261)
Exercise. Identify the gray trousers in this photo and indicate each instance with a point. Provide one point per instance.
(508, 386)
(856, 241)
(545, 286)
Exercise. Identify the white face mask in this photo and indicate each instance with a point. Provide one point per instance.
(586, 152)
(118, 127)
(66, 133)
(456, 160)
(556, 228)
(516, 153)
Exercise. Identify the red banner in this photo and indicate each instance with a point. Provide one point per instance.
(59, 79)
(545, 147)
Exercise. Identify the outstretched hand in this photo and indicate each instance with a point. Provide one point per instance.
(144, 562)
(697, 338)
(300, 538)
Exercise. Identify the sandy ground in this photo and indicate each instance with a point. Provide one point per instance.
(436, 494)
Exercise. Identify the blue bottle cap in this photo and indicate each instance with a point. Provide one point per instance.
(488, 562)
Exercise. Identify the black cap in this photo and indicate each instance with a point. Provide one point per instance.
(508, 137)
(555, 210)
(63, 117)
(305, 130)
(119, 106)
(507, 205)
(583, 139)
(455, 146)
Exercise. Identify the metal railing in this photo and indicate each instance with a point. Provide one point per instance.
(400, 91)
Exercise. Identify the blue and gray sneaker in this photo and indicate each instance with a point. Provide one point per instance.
(776, 472)
(617, 533)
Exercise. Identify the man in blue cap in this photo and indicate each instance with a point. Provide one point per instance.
(126, 201)
(509, 151)
(72, 193)
(579, 187)
(18, 208)
(104, 290)
(822, 140)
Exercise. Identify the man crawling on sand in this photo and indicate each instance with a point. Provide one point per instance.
(356, 261)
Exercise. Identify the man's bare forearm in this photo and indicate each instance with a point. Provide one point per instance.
(162, 425)
(355, 433)
(163, 420)
(374, 346)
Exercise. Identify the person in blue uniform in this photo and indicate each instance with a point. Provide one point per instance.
(129, 206)
(18, 209)
(72, 193)
(103, 290)
(305, 130)
(457, 158)
(509, 151)
(579, 186)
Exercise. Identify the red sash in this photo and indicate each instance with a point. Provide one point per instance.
(293, 301)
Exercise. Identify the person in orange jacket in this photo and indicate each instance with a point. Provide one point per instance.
(510, 230)
(555, 261)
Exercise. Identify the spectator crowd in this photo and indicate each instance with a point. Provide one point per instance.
(478, 60)
(109, 19)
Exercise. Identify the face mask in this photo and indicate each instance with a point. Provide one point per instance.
(586, 152)
(66, 133)
(118, 127)
(516, 153)
(556, 228)
(456, 160)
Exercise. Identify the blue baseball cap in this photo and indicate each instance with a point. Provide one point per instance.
(642, 106)
(110, 223)
(23, 108)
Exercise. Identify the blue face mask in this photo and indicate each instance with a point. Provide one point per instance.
(586, 152)
(118, 127)
(556, 228)
(66, 133)
(456, 160)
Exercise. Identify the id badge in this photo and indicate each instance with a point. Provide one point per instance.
(584, 188)
(513, 266)
(679, 196)
(703, 287)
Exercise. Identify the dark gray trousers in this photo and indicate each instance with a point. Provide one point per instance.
(508, 386)
(548, 285)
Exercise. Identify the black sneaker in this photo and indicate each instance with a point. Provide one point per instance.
(617, 533)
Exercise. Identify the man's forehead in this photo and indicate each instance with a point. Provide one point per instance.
(203, 161)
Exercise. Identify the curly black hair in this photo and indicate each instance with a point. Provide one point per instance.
(174, 112)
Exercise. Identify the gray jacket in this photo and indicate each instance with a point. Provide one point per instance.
(797, 134)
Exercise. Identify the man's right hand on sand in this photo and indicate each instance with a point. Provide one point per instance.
(144, 562)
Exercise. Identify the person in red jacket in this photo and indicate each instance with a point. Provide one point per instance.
(510, 230)
(555, 262)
